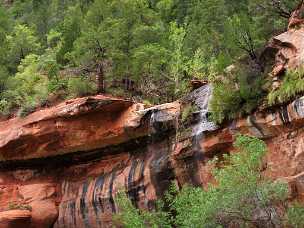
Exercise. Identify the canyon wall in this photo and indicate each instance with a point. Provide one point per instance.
(62, 166)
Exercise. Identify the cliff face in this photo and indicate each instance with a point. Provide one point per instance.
(62, 166)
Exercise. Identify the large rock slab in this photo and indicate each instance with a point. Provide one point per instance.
(81, 124)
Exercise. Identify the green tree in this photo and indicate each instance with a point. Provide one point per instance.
(21, 42)
(27, 89)
(177, 63)
(114, 36)
(243, 34)
(70, 31)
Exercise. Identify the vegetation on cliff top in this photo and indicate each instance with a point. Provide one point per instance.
(242, 197)
(147, 49)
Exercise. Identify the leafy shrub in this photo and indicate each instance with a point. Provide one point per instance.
(80, 86)
(236, 93)
(27, 89)
(34, 81)
(295, 216)
(241, 197)
(131, 217)
(292, 85)
(5, 106)
(239, 194)
(57, 84)
(225, 102)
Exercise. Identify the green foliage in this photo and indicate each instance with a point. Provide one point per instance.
(160, 45)
(21, 42)
(295, 215)
(69, 31)
(239, 193)
(177, 65)
(19, 206)
(240, 197)
(292, 85)
(225, 102)
(196, 67)
(242, 35)
(37, 77)
(236, 93)
(130, 217)
(80, 87)
(28, 88)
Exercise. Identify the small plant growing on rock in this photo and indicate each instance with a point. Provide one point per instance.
(187, 111)
(292, 85)
(19, 206)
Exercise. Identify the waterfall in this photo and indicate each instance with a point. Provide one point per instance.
(201, 98)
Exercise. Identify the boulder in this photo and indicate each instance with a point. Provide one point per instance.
(289, 48)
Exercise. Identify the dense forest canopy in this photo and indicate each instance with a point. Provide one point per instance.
(150, 49)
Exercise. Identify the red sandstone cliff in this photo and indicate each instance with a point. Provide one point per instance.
(62, 166)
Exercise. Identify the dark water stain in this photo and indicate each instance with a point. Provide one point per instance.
(142, 175)
(284, 115)
(132, 194)
(136, 186)
(61, 221)
(96, 199)
(162, 172)
(72, 209)
(111, 199)
(83, 207)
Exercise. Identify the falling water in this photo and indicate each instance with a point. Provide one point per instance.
(201, 99)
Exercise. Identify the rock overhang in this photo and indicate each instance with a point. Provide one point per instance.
(78, 125)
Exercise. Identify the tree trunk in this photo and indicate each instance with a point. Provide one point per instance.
(100, 80)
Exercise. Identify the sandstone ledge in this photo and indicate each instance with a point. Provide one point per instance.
(78, 125)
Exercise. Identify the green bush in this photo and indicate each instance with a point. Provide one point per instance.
(34, 81)
(131, 217)
(80, 86)
(225, 102)
(58, 84)
(292, 85)
(295, 216)
(27, 89)
(236, 93)
(239, 193)
(5, 106)
(241, 197)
